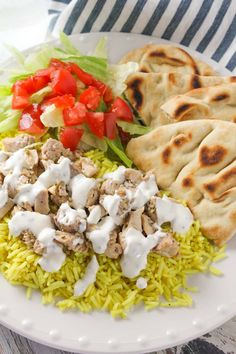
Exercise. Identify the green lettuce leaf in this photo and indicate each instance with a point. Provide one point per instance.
(118, 75)
(9, 120)
(69, 48)
(93, 141)
(101, 48)
(5, 90)
(38, 96)
(133, 129)
(92, 65)
(117, 148)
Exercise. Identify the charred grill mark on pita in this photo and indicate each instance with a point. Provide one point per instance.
(187, 182)
(161, 54)
(194, 65)
(233, 78)
(136, 92)
(172, 78)
(166, 155)
(196, 82)
(228, 176)
(212, 156)
(221, 97)
(181, 109)
(180, 140)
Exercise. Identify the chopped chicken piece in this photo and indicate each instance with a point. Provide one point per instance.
(74, 242)
(167, 247)
(46, 163)
(58, 193)
(70, 223)
(41, 202)
(6, 208)
(133, 177)
(25, 206)
(27, 176)
(114, 249)
(150, 209)
(109, 186)
(28, 238)
(38, 247)
(93, 196)
(32, 158)
(18, 142)
(53, 150)
(85, 166)
(148, 225)
(135, 220)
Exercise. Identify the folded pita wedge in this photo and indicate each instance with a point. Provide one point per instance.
(196, 162)
(217, 102)
(148, 92)
(167, 58)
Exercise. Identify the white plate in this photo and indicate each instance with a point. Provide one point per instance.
(97, 332)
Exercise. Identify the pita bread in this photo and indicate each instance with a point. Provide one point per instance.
(148, 92)
(196, 162)
(167, 58)
(217, 102)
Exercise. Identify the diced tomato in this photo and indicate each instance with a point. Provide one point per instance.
(75, 115)
(70, 137)
(110, 125)
(108, 95)
(63, 82)
(122, 110)
(65, 101)
(90, 97)
(95, 122)
(86, 78)
(30, 120)
(23, 89)
(58, 64)
(39, 82)
(45, 72)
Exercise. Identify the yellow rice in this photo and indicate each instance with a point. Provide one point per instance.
(167, 278)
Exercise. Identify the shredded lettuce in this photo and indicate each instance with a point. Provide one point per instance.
(133, 129)
(38, 96)
(117, 148)
(9, 120)
(101, 48)
(5, 90)
(92, 65)
(93, 141)
(18, 55)
(118, 75)
(67, 44)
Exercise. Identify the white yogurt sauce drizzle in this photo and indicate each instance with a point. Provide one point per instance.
(68, 216)
(80, 188)
(100, 236)
(41, 226)
(12, 168)
(89, 278)
(134, 258)
(144, 191)
(177, 214)
(54, 174)
(141, 283)
(111, 205)
(95, 215)
(117, 175)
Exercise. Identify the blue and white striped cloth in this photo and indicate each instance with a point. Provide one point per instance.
(208, 26)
